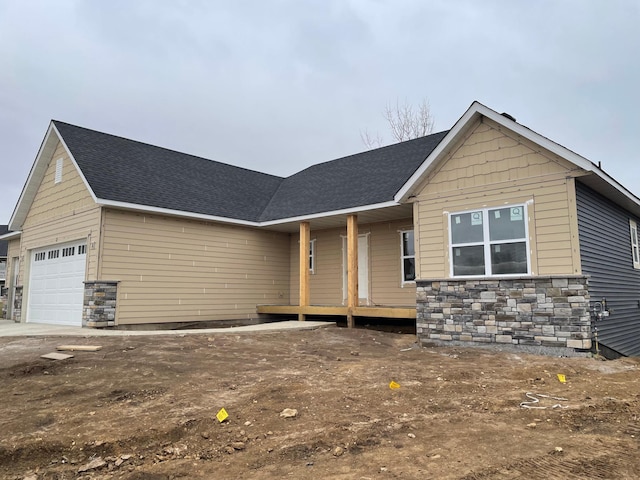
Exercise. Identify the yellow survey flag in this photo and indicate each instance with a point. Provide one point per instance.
(222, 415)
(393, 385)
(562, 378)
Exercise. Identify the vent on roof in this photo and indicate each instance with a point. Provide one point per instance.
(58, 178)
(510, 117)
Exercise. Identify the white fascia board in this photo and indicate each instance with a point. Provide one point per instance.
(405, 191)
(31, 185)
(38, 169)
(177, 213)
(75, 164)
(558, 149)
(10, 235)
(247, 223)
(477, 109)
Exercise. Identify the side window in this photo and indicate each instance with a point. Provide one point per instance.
(408, 256)
(312, 256)
(635, 249)
(489, 242)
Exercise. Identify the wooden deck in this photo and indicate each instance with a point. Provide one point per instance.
(338, 310)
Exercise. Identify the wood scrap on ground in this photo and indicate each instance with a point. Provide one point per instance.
(56, 356)
(79, 348)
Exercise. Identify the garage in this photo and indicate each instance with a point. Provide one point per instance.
(56, 288)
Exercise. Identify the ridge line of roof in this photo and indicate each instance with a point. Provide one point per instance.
(391, 145)
(166, 149)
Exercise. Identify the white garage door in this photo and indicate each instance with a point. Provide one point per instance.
(56, 288)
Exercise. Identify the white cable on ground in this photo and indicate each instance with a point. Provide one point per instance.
(535, 398)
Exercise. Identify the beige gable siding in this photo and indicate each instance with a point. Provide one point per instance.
(385, 282)
(60, 212)
(493, 167)
(56, 200)
(173, 270)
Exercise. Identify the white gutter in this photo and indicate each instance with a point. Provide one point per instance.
(248, 223)
(10, 235)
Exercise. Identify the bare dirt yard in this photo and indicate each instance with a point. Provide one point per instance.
(145, 408)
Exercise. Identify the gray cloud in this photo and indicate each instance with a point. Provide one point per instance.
(277, 86)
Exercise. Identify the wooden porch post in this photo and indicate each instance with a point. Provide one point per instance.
(304, 268)
(352, 267)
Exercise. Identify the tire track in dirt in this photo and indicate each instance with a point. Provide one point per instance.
(610, 461)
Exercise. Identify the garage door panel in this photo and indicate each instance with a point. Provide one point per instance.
(56, 288)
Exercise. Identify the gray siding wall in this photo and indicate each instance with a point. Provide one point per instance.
(605, 249)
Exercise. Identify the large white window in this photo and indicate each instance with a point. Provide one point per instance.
(491, 241)
(408, 256)
(634, 244)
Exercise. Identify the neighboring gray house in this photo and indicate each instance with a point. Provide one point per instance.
(3, 268)
(3, 255)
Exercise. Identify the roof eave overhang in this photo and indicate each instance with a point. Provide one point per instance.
(10, 235)
(234, 221)
(332, 213)
(47, 148)
(477, 111)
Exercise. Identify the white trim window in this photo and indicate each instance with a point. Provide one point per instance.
(407, 256)
(312, 256)
(635, 249)
(489, 242)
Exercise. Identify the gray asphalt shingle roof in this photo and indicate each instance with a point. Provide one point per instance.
(123, 170)
(362, 179)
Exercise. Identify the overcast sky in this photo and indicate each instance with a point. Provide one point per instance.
(276, 86)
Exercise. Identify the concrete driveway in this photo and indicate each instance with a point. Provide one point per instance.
(9, 328)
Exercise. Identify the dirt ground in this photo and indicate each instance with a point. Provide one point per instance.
(145, 408)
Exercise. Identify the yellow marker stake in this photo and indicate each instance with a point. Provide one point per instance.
(393, 385)
(562, 378)
(222, 415)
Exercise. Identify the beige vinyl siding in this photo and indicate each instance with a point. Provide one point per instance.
(173, 269)
(81, 226)
(60, 212)
(385, 278)
(493, 167)
(13, 251)
(57, 200)
(325, 283)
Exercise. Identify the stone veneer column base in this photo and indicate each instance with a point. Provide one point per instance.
(16, 312)
(548, 312)
(99, 308)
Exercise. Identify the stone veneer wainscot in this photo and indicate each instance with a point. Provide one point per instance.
(534, 311)
(99, 308)
(16, 312)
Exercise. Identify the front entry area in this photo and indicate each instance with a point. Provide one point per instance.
(363, 269)
(56, 288)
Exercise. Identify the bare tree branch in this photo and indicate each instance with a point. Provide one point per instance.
(371, 141)
(405, 122)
